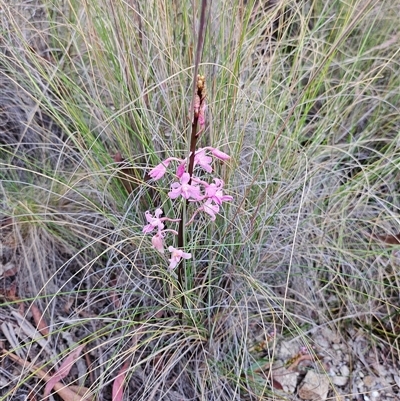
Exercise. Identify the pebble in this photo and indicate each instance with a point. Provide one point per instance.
(344, 370)
(369, 381)
(340, 380)
(336, 358)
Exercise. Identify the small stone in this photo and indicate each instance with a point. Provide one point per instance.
(380, 369)
(344, 370)
(330, 335)
(321, 342)
(314, 387)
(383, 381)
(389, 380)
(369, 381)
(286, 350)
(286, 378)
(340, 380)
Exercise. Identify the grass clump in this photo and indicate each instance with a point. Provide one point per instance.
(302, 95)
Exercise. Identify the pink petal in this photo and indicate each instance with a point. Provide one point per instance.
(158, 242)
(185, 178)
(158, 172)
(175, 190)
(226, 198)
(211, 190)
(186, 255)
(203, 160)
(220, 155)
(149, 216)
(148, 228)
(218, 182)
(176, 256)
(181, 169)
(194, 193)
(211, 209)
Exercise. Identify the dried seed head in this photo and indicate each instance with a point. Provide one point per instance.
(201, 86)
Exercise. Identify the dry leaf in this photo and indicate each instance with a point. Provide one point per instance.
(8, 270)
(294, 363)
(30, 331)
(118, 385)
(10, 293)
(67, 393)
(9, 333)
(276, 385)
(63, 370)
(40, 321)
(389, 239)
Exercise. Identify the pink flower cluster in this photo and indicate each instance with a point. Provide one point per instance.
(192, 189)
(200, 159)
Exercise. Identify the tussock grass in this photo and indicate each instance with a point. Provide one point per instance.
(303, 95)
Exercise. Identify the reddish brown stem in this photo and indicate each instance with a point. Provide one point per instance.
(193, 139)
(181, 241)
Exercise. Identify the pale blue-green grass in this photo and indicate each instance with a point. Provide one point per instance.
(304, 98)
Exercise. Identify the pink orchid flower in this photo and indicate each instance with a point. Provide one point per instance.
(214, 191)
(176, 256)
(156, 221)
(158, 241)
(210, 208)
(158, 171)
(184, 189)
